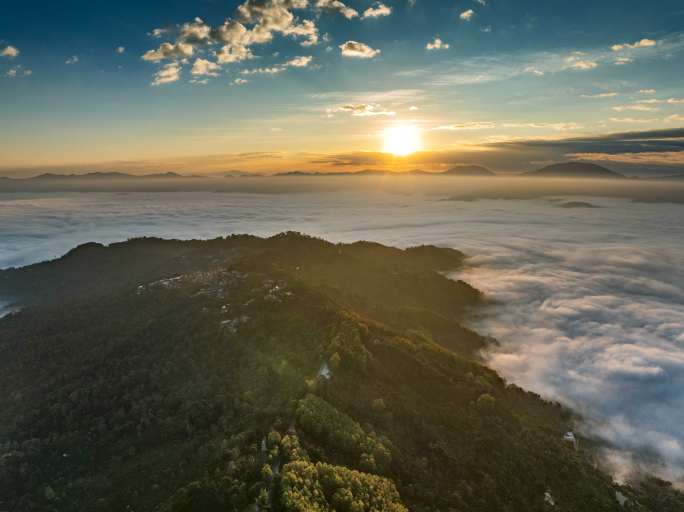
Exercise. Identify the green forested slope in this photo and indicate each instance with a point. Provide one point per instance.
(177, 377)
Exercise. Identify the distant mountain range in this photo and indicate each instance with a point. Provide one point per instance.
(170, 180)
(574, 170)
(459, 170)
(107, 175)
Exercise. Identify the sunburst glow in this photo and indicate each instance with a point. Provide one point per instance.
(402, 140)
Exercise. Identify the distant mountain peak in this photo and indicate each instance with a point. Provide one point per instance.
(574, 169)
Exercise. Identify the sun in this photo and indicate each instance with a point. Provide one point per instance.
(402, 140)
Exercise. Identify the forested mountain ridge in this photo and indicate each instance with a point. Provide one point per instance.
(275, 374)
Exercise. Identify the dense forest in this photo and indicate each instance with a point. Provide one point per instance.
(280, 374)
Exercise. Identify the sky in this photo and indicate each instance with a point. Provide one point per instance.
(209, 86)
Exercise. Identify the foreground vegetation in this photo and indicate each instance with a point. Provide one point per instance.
(283, 374)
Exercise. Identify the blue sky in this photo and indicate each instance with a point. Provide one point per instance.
(321, 77)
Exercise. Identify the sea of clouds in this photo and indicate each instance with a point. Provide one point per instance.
(587, 303)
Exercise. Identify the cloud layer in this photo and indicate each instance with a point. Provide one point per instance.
(599, 326)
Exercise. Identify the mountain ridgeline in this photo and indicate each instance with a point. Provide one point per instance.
(281, 374)
(574, 170)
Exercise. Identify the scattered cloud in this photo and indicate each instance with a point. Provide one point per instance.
(647, 91)
(18, 71)
(377, 10)
(169, 73)
(204, 67)
(623, 61)
(256, 22)
(358, 50)
(299, 62)
(361, 110)
(476, 125)
(165, 51)
(534, 71)
(72, 60)
(273, 70)
(240, 81)
(637, 107)
(413, 108)
(437, 44)
(559, 127)
(599, 95)
(631, 120)
(159, 32)
(676, 101)
(467, 15)
(120, 50)
(643, 43)
(9, 51)
(337, 6)
(577, 61)
(675, 118)
(296, 62)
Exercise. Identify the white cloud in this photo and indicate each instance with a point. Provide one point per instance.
(299, 62)
(467, 15)
(240, 81)
(158, 32)
(361, 110)
(631, 120)
(623, 61)
(580, 63)
(675, 118)
(676, 101)
(170, 51)
(647, 91)
(273, 70)
(643, 43)
(413, 108)
(120, 50)
(9, 51)
(358, 50)
(337, 6)
(377, 10)
(233, 53)
(534, 71)
(167, 74)
(195, 32)
(296, 62)
(72, 60)
(599, 95)
(637, 107)
(437, 44)
(275, 16)
(204, 67)
(256, 23)
(18, 71)
(476, 125)
(559, 127)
